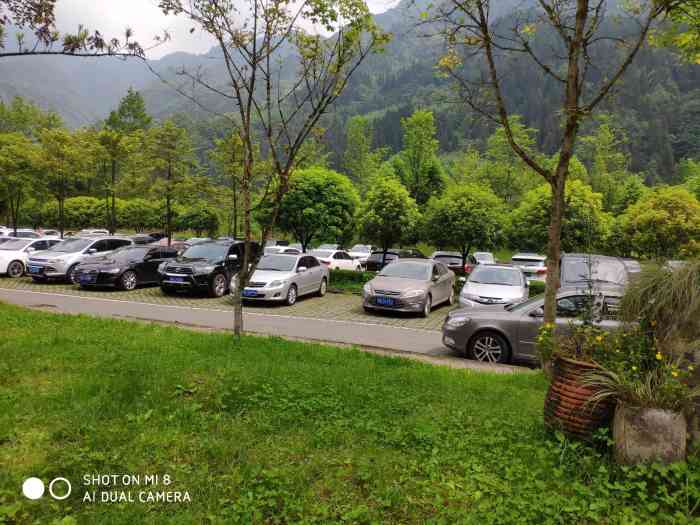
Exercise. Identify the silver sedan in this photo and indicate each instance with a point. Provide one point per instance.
(410, 285)
(284, 278)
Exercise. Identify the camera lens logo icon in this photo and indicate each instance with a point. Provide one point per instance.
(59, 488)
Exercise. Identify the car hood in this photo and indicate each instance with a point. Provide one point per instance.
(499, 291)
(185, 261)
(398, 284)
(266, 276)
(49, 255)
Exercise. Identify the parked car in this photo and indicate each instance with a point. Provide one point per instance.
(276, 242)
(206, 266)
(15, 253)
(196, 240)
(510, 333)
(49, 233)
(158, 235)
(577, 269)
(22, 233)
(285, 278)
(632, 265)
(282, 249)
(337, 259)
(5, 239)
(92, 232)
(534, 266)
(124, 268)
(377, 260)
(476, 258)
(453, 260)
(142, 239)
(410, 285)
(61, 260)
(179, 244)
(493, 285)
(330, 247)
(361, 252)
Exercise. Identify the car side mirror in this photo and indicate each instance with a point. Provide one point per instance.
(436, 278)
(301, 269)
(91, 251)
(538, 312)
(31, 249)
(233, 257)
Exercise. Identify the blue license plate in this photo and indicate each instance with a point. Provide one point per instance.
(87, 279)
(34, 269)
(250, 293)
(177, 279)
(385, 301)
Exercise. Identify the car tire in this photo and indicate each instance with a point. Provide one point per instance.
(427, 306)
(15, 269)
(70, 274)
(323, 288)
(128, 280)
(292, 295)
(489, 347)
(217, 287)
(451, 300)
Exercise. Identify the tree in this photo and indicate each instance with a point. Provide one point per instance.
(388, 214)
(276, 108)
(19, 168)
(139, 214)
(663, 223)
(130, 116)
(360, 161)
(113, 148)
(585, 225)
(320, 204)
(200, 219)
(169, 151)
(465, 216)
(64, 165)
(20, 116)
(417, 165)
(227, 157)
(595, 53)
(689, 171)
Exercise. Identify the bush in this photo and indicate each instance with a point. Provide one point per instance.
(348, 281)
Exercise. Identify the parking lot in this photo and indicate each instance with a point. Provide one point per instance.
(334, 307)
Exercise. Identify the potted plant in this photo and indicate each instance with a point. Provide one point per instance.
(649, 368)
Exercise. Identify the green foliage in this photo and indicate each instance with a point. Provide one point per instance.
(138, 214)
(465, 217)
(130, 116)
(348, 281)
(319, 205)
(79, 212)
(665, 222)
(388, 214)
(360, 162)
(19, 171)
(586, 226)
(21, 116)
(200, 219)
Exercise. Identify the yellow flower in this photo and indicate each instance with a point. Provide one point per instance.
(634, 369)
(674, 373)
(599, 338)
(659, 357)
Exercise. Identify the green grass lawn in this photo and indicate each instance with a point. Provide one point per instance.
(269, 431)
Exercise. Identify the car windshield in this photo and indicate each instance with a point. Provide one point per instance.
(129, 252)
(524, 261)
(322, 254)
(484, 258)
(71, 245)
(361, 248)
(210, 251)
(503, 276)
(277, 263)
(407, 270)
(580, 271)
(525, 304)
(15, 245)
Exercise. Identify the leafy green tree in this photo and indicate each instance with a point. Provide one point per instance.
(320, 204)
(19, 170)
(20, 116)
(139, 214)
(585, 226)
(200, 219)
(663, 223)
(417, 165)
(689, 170)
(464, 217)
(227, 157)
(360, 161)
(130, 116)
(388, 213)
(113, 149)
(171, 158)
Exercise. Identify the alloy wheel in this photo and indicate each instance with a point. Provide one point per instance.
(219, 285)
(487, 349)
(292, 295)
(15, 269)
(71, 274)
(129, 280)
(427, 307)
(324, 288)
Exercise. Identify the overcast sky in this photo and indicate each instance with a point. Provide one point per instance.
(143, 16)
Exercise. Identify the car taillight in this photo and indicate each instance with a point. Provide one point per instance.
(468, 268)
(541, 270)
(327, 263)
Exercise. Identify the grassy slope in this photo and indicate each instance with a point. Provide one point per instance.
(277, 432)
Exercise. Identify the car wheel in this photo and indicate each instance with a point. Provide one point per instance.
(70, 274)
(218, 285)
(451, 300)
(324, 287)
(15, 269)
(128, 280)
(427, 307)
(489, 347)
(291, 295)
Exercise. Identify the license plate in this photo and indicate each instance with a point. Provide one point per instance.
(34, 269)
(250, 293)
(385, 301)
(87, 279)
(177, 279)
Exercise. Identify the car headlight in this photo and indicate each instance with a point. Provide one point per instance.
(203, 270)
(161, 267)
(112, 270)
(367, 289)
(276, 284)
(455, 321)
(414, 293)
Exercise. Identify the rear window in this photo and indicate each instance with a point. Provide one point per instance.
(448, 259)
(580, 271)
(377, 256)
(524, 261)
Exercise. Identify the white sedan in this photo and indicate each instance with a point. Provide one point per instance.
(14, 254)
(361, 252)
(337, 260)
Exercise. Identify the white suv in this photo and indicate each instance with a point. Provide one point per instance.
(61, 260)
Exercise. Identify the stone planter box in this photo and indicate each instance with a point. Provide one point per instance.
(646, 435)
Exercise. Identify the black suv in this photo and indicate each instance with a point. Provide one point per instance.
(206, 266)
(374, 261)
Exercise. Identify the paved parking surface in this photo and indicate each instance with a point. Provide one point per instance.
(337, 307)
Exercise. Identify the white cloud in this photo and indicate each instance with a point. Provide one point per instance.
(112, 17)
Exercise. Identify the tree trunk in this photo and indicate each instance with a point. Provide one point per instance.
(243, 274)
(168, 215)
(113, 217)
(554, 250)
(14, 211)
(61, 227)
